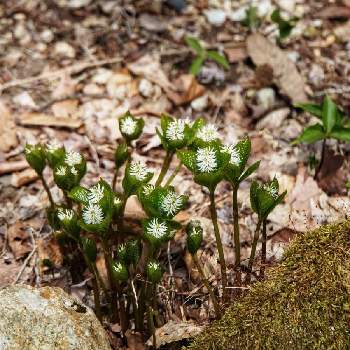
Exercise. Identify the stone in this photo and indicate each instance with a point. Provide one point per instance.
(64, 49)
(274, 119)
(47, 319)
(200, 103)
(266, 97)
(215, 17)
(146, 88)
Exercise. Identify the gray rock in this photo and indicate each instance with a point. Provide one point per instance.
(47, 319)
(273, 119)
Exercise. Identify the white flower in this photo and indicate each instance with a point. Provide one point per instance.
(208, 133)
(171, 203)
(138, 170)
(65, 214)
(175, 130)
(272, 190)
(72, 158)
(156, 229)
(117, 201)
(153, 265)
(189, 122)
(128, 126)
(61, 171)
(81, 196)
(118, 267)
(92, 214)
(53, 146)
(73, 170)
(147, 189)
(234, 155)
(206, 159)
(196, 231)
(96, 193)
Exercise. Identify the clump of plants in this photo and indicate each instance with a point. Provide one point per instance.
(91, 219)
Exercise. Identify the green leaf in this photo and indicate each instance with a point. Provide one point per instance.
(196, 65)
(79, 194)
(218, 58)
(89, 248)
(285, 27)
(194, 43)
(329, 114)
(311, 108)
(154, 271)
(250, 170)
(119, 271)
(194, 236)
(311, 134)
(340, 133)
(35, 157)
(121, 154)
(252, 19)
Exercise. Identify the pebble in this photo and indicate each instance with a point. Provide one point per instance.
(47, 35)
(146, 88)
(215, 17)
(273, 119)
(200, 103)
(266, 97)
(64, 49)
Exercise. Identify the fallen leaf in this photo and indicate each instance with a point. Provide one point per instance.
(8, 272)
(236, 53)
(41, 119)
(65, 87)
(23, 178)
(158, 107)
(174, 331)
(66, 108)
(19, 239)
(333, 12)
(135, 340)
(10, 167)
(7, 129)
(286, 76)
(49, 249)
(187, 89)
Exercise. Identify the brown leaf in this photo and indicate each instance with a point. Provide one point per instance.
(66, 108)
(19, 239)
(237, 53)
(41, 119)
(24, 177)
(135, 341)
(333, 12)
(10, 167)
(187, 89)
(7, 129)
(286, 76)
(8, 272)
(49, 249)
(158, 107)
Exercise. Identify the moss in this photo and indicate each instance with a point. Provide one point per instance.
(304, 303)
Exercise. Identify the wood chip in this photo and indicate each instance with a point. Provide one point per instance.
(286, 76)
(41, 119)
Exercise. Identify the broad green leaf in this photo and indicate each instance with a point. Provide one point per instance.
(311, 134)
(284, 27)
(252, 19)
(196, 65)
(218, 58)
(311, 108)
(329, 114)
(194, 44)
(250, 170)
(340, 133)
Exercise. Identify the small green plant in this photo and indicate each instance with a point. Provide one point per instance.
(332, 125)
(202, 55)
(251, 20)
(91, 219)
(284, 26)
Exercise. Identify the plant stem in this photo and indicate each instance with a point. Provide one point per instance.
(253, 251)
(167, 160)
(47, 189)
(207, 285)
(115, 176)
(236, 236)
(214, 219)
(172, 176)
(68, 200)
(96, 298)
(320, 164)
(263, 250)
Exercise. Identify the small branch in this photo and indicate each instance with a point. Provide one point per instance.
(172, 176)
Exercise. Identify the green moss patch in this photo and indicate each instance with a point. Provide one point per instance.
(304, 303)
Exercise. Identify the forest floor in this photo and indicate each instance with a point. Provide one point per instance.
(70, 68)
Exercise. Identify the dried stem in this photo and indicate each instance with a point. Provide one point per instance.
(47, 189)
(214, 219)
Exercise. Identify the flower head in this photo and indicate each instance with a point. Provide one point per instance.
(53, 146)
(206, 159)
(65, 214)
(234, 155)
(128, 125)
(61, 171)
(156, 228)
(171, 203)
(147, 189)
(138, 170)
(208, 133)
(73, 158)
(96, 193)
(175, 130)
(93, 214)
(271, 189)
(117, 201)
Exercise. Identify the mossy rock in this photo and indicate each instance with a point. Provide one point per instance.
(304, 303)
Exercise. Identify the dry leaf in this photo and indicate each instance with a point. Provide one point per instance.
(65, 87)
(10, 167)
(49, 249)
(264, 52)
(24, 177)
(41, 119)
(333, 12)
(66, 108)
(7, 129)
(19, 239)
(187, 89)
(158, 107)
(175, 331)
(8, 272)
(237, 53)
(149, 67)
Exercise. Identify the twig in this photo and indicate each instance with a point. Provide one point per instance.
(59, 73)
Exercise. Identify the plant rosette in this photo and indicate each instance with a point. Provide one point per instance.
(136, 175)
(35, 156)
(162, 202)
(194, 232)
(89, 248)
(68, 220)
(119, 271)
(265, 197)
(239, 155)
(157, 231)
(207, 164)
(130, 127)
(154, 271)
(55, 153)
(129, 252)
(205, 135)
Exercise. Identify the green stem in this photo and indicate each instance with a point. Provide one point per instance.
(172, 176)
(47, 189)
(236, 236)
(214, 219)
(207, 285)
(68, 200)
(253, 251)
(167, 160)
(115, 176)
(320, 164)
(263, 251)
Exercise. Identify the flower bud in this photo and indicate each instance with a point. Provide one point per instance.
(69, 221)
(136, 175)
(121, 154)
(55, 153)
(130, 127)
(153, 271)
(194, 236)
(89, 248)
(35, 157)
(119, 271)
